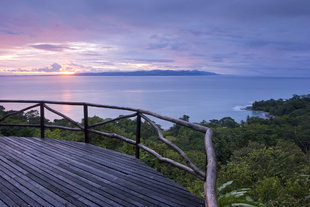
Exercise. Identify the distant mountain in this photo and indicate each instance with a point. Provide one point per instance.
(150, 73)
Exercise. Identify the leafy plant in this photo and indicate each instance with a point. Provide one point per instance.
(235, 198)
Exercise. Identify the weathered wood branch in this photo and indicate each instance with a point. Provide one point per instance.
(174, 147)
(40, 101)
(20, 125)
(113, 135)
(210, 180)
(64, 116)
(70, 103)
(174, 120)
(17, 112)
(170, 161)
(112, 120)
(112, 107)
(62, 127)
(177, 121)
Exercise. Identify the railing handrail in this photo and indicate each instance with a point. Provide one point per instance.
(209, 177)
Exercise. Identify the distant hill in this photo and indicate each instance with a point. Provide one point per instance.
(150, 73)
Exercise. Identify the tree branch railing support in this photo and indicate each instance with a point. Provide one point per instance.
(209, 177)
(138, 135)
(42, 120)
(86, 137)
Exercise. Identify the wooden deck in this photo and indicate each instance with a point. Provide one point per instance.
(47, 172)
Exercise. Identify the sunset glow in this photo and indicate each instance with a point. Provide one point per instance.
(44, 73)
(66, 73)
(259, 38)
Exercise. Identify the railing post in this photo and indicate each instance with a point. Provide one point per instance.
(211, 173)
(138, 135)
(42, 118)
(86, 140)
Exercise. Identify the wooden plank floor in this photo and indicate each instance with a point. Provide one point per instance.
(47, 172)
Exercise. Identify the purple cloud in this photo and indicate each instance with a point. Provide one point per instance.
(50, 47)
(153, 60)
(5, 31)
(54, 68)
(231, 37)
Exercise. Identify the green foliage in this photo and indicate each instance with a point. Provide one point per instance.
(54, 134)
(272, 173)
(235, 198)
(281, 107)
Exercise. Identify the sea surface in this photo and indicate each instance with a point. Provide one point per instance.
(199, 97)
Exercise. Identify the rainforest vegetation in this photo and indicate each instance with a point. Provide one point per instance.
(268, 157)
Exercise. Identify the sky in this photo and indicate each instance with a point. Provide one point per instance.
(233, 37)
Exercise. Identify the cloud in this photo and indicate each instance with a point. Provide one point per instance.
(165, 45)
(168, 42)
(50, 47)
(9, 32)
(286, 46)
(153, 60)
(103, 63)
(53, 68)
(229, 36)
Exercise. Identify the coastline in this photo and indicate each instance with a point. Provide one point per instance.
(261, 114)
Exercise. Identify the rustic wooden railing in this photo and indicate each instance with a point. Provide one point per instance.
(208, 175)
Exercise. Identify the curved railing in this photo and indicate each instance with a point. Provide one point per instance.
(208, 175)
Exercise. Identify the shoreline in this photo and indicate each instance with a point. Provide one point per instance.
(265, 114)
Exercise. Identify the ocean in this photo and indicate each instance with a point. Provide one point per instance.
(199, 97)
